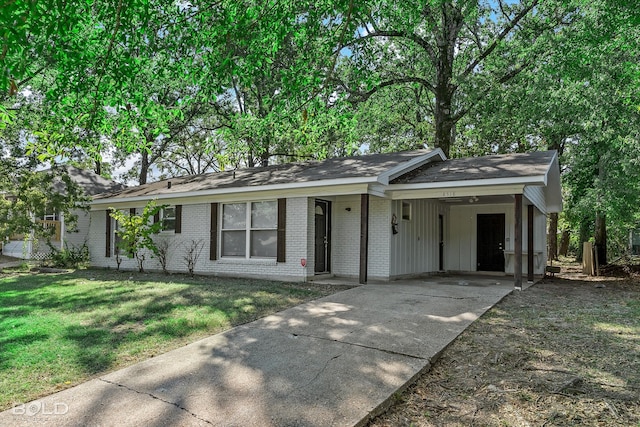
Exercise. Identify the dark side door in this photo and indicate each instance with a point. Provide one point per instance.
(490, 246)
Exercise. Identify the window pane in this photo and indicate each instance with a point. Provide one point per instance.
(169, 213)
(168, 224)
(264, 243)
(234, 216)
(406, 211)
(264, 215)
(234, 243)
(169, 218)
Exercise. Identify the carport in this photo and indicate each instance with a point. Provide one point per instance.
(491, 211)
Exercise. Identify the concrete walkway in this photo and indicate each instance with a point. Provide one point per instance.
(330, 362)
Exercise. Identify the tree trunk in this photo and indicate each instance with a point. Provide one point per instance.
(564, 243)
(452, 21)
(144, 167)
(553, 236)
(443, 123)
(584, 236)
(601, 238)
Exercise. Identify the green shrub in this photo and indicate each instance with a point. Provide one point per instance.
(69, 257)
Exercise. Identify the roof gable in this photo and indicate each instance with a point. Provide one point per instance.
(92, 183)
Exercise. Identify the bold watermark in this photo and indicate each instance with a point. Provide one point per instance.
(37, 407)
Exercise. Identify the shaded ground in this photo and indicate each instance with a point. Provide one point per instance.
(57, 330)
(564, 352)
(5, 259)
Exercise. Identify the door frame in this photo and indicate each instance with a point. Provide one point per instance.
(326, 204)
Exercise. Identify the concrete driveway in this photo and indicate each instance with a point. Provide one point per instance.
(330, 362)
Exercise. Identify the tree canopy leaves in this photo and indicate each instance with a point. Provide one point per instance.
(185, 87)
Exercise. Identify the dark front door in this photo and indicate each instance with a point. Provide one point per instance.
(490, 242)
(323, 234)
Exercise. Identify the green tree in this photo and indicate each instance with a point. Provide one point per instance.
(457, 51)
(136, 231)
(27, 195)
(578, 101)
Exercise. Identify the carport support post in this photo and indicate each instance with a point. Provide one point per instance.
(517, 241)
(364, 236)
(530, 243)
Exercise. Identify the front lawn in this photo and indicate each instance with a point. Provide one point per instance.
(57, 330)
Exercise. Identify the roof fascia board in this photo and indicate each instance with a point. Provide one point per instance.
(235, 190)
(469, 191)
(554, 161)
(255, 195)
(553, 190)
(410, 165)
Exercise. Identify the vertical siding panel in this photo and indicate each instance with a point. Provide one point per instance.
(408, 254)
(426, 235)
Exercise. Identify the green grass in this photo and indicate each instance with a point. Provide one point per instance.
(57, 330)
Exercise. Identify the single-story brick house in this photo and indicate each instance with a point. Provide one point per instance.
(378, 216)
(35, 247)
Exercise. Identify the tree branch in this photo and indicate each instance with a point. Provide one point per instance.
(399, 80)
(26, 80)
(395, 34)
(505, 78)
(510, 26)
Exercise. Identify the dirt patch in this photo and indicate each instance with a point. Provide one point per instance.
(564, 352)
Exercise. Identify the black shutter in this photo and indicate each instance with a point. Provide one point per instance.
(178, 228)
(213, 244)
(132, 211)
(282, 220)
(156, 217)
(108, 235)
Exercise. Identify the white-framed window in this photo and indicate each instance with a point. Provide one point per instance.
(406, 210)
(168, 218)
(249, 229)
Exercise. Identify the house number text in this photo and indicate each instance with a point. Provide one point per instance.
(448, 193)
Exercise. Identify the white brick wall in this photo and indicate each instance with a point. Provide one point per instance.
(345, 236)
(379, 236)
(345, 244)
(195, 226)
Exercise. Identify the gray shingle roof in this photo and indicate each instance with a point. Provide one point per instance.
(91, 183)
(364, 166)
(485, 167)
